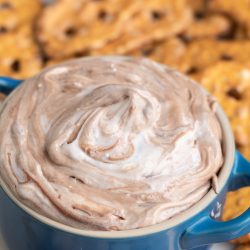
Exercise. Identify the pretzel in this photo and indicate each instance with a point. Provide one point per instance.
(67, 28)
(236, 203)
(19, 55)
(239, 10)
(203, 53)
(17, 13)
(230, 83)
(210, 26)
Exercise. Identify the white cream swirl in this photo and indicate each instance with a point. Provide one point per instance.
(109, 143)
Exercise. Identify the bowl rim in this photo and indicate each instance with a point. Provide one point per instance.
(229, 152)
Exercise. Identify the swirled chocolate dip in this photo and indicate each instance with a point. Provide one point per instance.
(109, 143)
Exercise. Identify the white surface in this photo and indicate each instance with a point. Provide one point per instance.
(2, 245)
(222, 247)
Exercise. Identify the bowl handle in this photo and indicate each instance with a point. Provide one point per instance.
(208, 230)
(7, 84)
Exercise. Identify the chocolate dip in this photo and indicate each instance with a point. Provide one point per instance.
(109, 143)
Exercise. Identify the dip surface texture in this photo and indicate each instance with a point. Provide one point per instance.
(109, 143)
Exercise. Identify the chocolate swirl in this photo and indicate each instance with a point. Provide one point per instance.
(109, 143)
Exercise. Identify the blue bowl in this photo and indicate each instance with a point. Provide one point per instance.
(196, 228)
